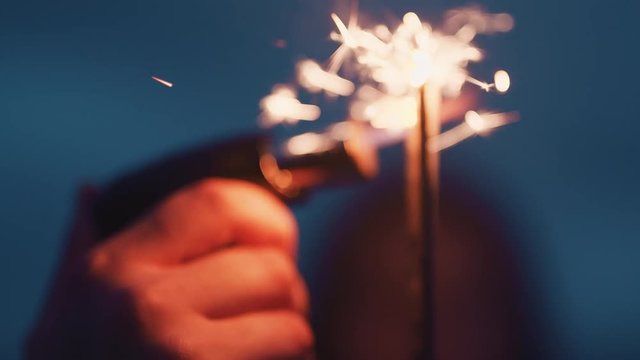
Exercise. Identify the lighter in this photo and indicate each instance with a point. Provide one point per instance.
(251, 158)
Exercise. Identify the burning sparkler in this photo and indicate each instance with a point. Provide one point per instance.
(382, 71)
(396, 81)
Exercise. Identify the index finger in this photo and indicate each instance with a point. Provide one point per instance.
(213, 214)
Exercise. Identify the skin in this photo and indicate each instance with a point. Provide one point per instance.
(208, 274)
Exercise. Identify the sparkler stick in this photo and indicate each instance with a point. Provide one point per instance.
(422, 192)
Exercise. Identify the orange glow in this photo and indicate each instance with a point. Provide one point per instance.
(280, 43)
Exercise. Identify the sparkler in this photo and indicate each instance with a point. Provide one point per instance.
(396, 81)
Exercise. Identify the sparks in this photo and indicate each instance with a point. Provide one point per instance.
(502, 81)
(344, 31)
(283, 106)
(381, 71)
(474, 124)
(163, 82)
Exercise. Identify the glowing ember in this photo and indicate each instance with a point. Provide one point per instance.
(280, 43)
(283, 106)
(163, 82)
(315, 79)
(474, 124)
(502, 81)
(382, 70)
(308, 143)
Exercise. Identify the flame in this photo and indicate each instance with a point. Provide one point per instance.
(381, 69)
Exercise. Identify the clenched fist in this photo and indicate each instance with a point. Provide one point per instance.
(208, 274)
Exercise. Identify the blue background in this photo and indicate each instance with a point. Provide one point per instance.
(77, 105)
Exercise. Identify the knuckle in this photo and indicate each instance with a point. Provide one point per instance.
(107, 266)
(212, 189)
(147, 299)
(101, 264)
(242, 201)
(150, 313)
(203, 194)
(161, 323)
(279, 269)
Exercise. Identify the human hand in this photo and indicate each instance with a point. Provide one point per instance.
(208, 274)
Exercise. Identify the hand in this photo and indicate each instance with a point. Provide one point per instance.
(209, 274)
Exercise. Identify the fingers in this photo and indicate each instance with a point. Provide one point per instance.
(209, 216)
(236, 281)
(269, 335)
(210, 274)
(257, 336)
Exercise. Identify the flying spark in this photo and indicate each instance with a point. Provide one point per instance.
(163, 82)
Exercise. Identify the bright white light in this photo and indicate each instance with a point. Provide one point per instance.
(283, 106)
(162, 81)
(313, 78)
(308, 143)
(502, 81)
(381, 70)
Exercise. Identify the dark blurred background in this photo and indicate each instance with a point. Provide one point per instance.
(77, 105)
